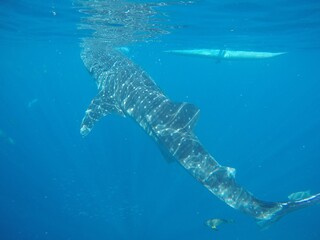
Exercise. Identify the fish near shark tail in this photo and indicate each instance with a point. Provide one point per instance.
(287, 207)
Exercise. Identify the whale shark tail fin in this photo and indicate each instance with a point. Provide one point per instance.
(288, 207)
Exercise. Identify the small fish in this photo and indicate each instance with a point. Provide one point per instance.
(32, 102)
(5, 138)
(215, 222)
(123, 49)
(299, 195)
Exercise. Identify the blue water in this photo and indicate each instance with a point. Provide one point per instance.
(261, 117)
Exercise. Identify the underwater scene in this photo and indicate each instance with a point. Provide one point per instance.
(162, 120)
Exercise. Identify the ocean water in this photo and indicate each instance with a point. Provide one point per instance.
(261, 117)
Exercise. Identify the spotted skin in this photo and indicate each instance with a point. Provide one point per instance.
(125, 88)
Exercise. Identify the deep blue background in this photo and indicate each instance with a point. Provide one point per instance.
(260, 117)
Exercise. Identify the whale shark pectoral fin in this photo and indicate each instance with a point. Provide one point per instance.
(99, 107)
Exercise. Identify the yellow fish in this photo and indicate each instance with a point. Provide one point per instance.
(215, 222)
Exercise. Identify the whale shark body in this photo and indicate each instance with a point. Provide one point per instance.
(124, 88)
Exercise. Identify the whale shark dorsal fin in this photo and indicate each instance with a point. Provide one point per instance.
(99, 107)
(175, 117)
(184, 115)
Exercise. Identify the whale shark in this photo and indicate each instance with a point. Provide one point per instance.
(124, 88)
(226, 54)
